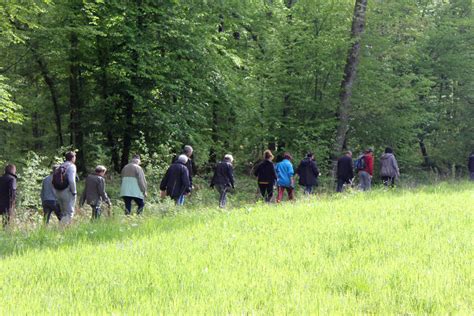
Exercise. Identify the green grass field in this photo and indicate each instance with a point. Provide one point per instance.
(385, 252)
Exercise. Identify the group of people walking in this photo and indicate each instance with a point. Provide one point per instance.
(59, 190)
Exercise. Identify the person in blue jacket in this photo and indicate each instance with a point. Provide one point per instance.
(285, 180)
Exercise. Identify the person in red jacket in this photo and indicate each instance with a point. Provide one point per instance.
(366, 173)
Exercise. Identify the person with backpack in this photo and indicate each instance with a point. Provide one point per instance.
(134, 186)
(345, 171)
(285, 180)
(266, 176)
(94, 192)
(365, 168)
(8, 195)
(64, 183)
(308, 173)
(223, 179)
(389, 170)
(176, 182)
(470, 165)
(48, 198)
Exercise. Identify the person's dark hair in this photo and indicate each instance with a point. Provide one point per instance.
(309, 154)
(10, 169)
(136, 156)
(70, 155)
(389, 150)
(267, 154)
(287, 155)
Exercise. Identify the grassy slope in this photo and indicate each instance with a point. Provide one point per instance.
(383, 252)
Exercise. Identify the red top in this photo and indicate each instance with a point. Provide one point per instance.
(369, 164)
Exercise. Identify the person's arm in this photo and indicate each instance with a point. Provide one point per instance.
(141, 180)
(315, 169)
(371, 165)
(351, 170)
(298, 169)
(13, 192)
(274, 173)
(186, 181)
(230, 171)
(42, 191)
(164, 181)
(395, 165)
(83, 196)
(291, 173)
(71, 173)
(102, 193)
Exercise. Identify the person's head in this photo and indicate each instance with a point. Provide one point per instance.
(228, 158)
(188, 151)
(183, 159)
(310, 155)
(100, 170)
(348, 153)
(136, 159)
(11, 169)
(287, 156)
(369, 151)
(71, 156)
(267, 154)
(389, 150)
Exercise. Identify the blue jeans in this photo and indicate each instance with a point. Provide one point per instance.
(365, 181)
(180, 200)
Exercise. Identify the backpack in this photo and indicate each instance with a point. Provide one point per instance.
(359, 164)
(60, 181)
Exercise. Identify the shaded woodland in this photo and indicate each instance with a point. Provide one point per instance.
(112, 78)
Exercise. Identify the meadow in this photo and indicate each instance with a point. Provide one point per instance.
(403, 251)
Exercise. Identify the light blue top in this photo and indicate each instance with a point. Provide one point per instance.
(131, 188)
(284, 170)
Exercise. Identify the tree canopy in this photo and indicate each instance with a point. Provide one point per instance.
(111, 78)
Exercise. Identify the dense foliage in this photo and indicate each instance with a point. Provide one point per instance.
(110, 77)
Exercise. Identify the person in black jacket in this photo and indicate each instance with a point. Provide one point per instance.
(188, 151)
(223, 179)
(8, 194)
(345, 170)
(471, 165)
(176, 182)
(266, 176)
(308, 173)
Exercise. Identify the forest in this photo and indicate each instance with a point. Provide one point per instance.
(114, 78)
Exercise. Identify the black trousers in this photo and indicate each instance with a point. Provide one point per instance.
(128, 204)
(50, 207)
(340, 184)
(388, 181)
(266, 189)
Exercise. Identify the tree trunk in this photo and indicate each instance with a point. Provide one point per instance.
(129, 110)
(103, 83)
(358, 25)
(48, 79)
(76, 102)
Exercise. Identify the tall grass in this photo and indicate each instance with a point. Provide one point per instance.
(385, 252)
